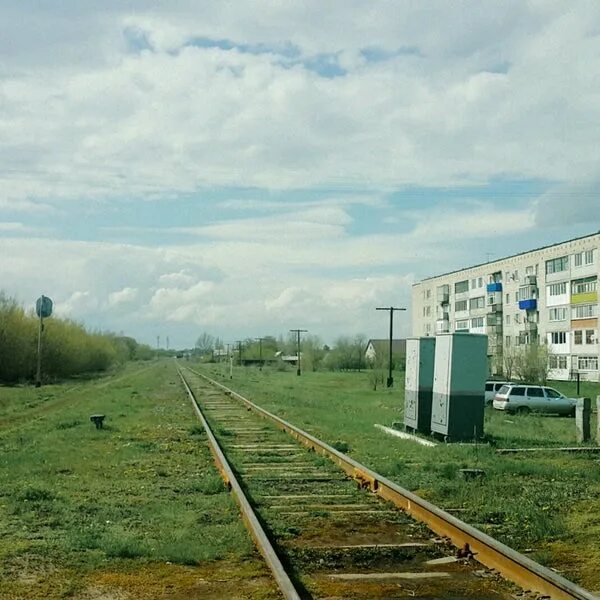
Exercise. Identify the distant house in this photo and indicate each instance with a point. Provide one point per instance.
(292, 359)
(379, 349)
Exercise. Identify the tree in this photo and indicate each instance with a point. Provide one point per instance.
(205, 343)
(528, 363)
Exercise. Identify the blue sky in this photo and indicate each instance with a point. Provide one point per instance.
(168, 170)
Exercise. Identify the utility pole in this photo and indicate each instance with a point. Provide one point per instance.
(260, 341)
(239, 343)
(230, 356)
(390, 379)
(298, 332)
(167, 342)
(157, 345)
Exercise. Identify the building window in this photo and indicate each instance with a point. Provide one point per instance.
(587, 363)
(507, 298)
(477, 322)
(428, 329)
(478, 302)
(589, 257)
(480, 282)
(517, 318)
(557, 289)
(578, 259)
(585, 311)
(462, 325)
(590, 336)
(507, 341)
(583, 286)
(427, 311)
(473, 283)
(557, 264)
(558, 337)
(578, 337)
(557, 361)
(507, 319)
(558, 314)
(460, 305)
(529, 270)
(461, 286)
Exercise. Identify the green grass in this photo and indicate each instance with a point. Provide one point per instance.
(76, 501)
(531, 502)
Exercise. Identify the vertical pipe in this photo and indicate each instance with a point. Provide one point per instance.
(390, 381)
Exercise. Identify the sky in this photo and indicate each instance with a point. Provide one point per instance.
(245, 168)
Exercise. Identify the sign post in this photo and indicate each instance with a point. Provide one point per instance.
(43, 309)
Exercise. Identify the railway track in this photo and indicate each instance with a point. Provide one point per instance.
(322, 523)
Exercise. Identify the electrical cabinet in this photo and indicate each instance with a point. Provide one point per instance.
(459, 378)
(418, 388)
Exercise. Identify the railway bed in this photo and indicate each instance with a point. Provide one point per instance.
(326, 532)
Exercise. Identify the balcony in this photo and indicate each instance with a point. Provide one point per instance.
(442, 326)
(444, 298)
(494, 287)
(584, 298)
(530, 304)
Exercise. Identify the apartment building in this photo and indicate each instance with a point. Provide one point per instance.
(548, 295)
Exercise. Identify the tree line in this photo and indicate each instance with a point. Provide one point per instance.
(68, 349)
(346, 354)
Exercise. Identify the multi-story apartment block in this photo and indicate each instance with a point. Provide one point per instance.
(548, 295)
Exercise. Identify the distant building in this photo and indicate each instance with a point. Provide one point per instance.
(380, 349)
(548, 295)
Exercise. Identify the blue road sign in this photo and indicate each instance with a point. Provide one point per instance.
(43, 307)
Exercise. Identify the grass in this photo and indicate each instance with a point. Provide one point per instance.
(534, 503)
(77, 502)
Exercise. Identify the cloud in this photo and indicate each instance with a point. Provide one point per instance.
(481, 94)
(470, 221)
(569, 205)
(122, 297)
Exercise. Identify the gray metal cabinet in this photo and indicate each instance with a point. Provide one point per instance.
(418, 388)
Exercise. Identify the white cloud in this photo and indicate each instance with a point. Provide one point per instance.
(122, 297)
(509, 91)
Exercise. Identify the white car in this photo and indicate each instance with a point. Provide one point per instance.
(523, 398)
(491, 389)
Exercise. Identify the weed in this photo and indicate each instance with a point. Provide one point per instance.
(196, 430)
(68, 424)
(341, 446)
(35, 494)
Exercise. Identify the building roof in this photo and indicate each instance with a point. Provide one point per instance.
(398, 346)
(498, 260)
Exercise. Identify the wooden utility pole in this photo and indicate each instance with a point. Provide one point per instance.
(391, 309)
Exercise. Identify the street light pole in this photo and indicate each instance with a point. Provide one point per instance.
(298, 332)
(391, 309)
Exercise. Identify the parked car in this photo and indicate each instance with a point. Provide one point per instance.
(523, 398)
(491, 389)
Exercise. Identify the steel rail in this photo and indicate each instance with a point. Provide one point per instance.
(261, 540)
(495, 555)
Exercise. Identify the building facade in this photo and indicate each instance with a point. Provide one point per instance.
(548, 295)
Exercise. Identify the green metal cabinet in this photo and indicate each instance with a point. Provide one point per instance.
(459, 386)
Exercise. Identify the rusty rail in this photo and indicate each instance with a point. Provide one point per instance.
(495, 555)
(261, 540)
